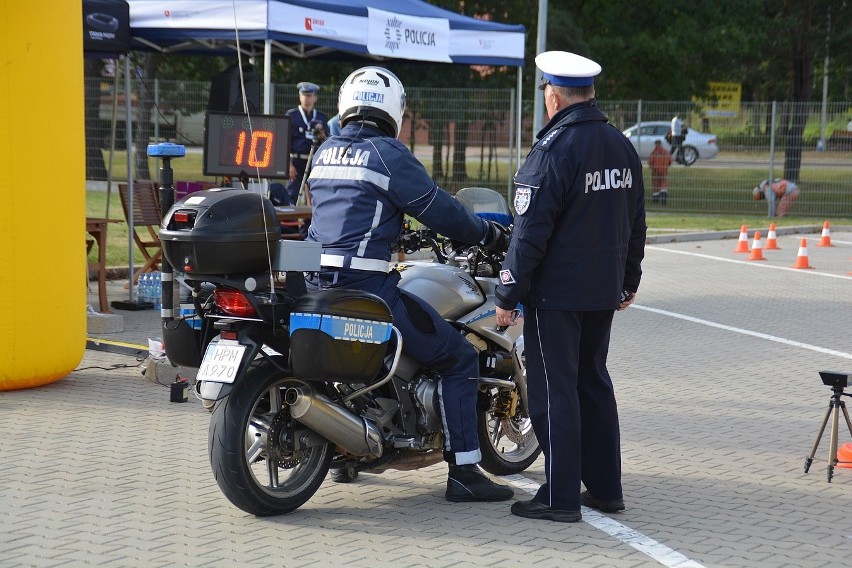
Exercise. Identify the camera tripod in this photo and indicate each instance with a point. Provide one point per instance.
(303, 197)
(835, 407)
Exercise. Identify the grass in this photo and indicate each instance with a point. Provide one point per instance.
(700, 199)
(661, 223)
(658, 223)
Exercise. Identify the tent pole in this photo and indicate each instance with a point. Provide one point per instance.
(267, 76)
(518, 118)
(128, 137)
(116, 73)
(512, 144)
(539, 108)
(267, 97)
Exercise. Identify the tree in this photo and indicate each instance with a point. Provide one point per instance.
(802, 26)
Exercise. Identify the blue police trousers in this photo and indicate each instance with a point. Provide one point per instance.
(572, 404)
(433, 342)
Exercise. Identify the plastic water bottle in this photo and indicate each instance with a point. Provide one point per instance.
(142, 288)
(156, 291)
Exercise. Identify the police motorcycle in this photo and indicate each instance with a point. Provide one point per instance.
(301, 382)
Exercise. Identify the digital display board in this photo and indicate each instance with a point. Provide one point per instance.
(231, 146)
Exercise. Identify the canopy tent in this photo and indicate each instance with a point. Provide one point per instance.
(373, 29)
(397, 29)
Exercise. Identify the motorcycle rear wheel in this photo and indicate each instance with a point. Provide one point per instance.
(508, 444)
(255, 474)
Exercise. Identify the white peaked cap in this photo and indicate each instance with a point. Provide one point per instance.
(565, 69)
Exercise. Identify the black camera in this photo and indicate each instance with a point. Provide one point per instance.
(626, 296)
(834, 379)
(316, 134)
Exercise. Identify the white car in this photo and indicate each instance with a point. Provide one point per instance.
(698, 145)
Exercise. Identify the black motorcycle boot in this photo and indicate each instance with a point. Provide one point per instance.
(611, 506)
(343, 475)
(467, 483)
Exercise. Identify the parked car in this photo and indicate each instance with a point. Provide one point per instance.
(698, 145)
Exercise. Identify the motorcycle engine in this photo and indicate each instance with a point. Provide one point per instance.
(424, 391)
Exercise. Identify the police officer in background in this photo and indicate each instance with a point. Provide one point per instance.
(308, 126)
(574, 259)
(362, 183)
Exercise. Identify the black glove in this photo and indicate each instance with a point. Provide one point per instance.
(496, 238)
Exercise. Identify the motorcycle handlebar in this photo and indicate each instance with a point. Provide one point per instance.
(479, 262)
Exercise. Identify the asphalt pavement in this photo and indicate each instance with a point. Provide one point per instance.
(716, 373)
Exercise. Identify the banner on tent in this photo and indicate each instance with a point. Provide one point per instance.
(408, 37)
(312, 23)
(191, 14)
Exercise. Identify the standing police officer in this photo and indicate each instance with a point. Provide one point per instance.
(362, 182)
(575, 257)
(308, 127)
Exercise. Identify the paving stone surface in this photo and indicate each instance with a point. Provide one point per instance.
(720, 401)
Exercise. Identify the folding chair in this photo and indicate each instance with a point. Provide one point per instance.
(146, 213)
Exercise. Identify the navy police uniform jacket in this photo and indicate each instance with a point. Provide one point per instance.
(579, 228)
(301, 138)
(361, 184)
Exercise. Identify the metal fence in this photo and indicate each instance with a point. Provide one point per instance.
(807, 143)
(466, 137)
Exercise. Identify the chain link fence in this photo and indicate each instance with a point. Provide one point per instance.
(466, 137)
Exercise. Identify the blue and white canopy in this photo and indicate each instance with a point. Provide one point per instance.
(385, 29)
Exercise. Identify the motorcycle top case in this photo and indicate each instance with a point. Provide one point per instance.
(339, 335)
(220, 231)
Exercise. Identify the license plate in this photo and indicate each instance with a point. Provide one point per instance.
(221, 362)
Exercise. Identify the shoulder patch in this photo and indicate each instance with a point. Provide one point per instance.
(546, 142)
(523, 196)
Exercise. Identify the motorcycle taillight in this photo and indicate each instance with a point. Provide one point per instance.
(233, 303)
(183, 219)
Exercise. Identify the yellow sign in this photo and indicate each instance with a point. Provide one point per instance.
(725, 99)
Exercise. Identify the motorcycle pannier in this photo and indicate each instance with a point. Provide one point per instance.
(220, 231)
(339, 335)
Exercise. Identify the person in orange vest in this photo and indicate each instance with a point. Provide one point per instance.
(659, 160)
(786, 193)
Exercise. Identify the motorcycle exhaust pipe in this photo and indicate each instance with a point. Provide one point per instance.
(351, 432)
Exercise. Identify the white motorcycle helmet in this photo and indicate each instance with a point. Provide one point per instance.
(374, 94)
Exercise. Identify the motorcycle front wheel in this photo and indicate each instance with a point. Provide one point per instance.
(507, 443)
(255, 471)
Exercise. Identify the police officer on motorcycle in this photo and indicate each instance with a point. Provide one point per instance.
(362, 183)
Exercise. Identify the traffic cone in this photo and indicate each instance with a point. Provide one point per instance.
(844, 455)
(802, 257)
(742, 243)
(771, 239)
(825, 239)
(756, 248)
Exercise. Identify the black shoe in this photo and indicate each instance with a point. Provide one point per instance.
(533, 509)
(468, 483)
(664, 196)
(613, 506)
(345, 475)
